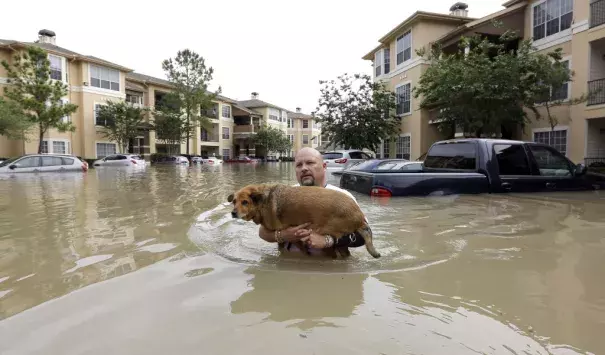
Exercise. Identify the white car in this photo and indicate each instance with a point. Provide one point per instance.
(34, 163)
(120, 160)
(341, 159)
(212, 161)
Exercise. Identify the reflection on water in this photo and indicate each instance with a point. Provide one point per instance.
(459, 274)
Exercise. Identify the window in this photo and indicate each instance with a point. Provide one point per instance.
(59, 147)
(105, 149)
(561, 93)
(273, 114)
(330, 156)
(226, 111)
(305, 123)
(52, 161)
(134, 99)
(404, 47)
(550, 162)
(66, 118)
(460, 156)
(104, 78)
(98, 120)
(55, 146)
(225, 132)
(404, 99)
(226, 154)
(387, 60)
(403, 147)
(305, 139)
(290, 123)
(291, 138)
(56, 67)
(378, 63)
(551, 17)
(385, 149)
(28, 162)
(556, 139)
(512, 159)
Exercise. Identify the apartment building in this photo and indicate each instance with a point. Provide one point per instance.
(576, 26)
(92, 82)
(303, 131)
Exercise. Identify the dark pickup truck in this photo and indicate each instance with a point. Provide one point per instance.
(474, 166)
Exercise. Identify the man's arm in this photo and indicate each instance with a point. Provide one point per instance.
(266, 234)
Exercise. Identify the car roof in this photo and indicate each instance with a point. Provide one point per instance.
(487, 140)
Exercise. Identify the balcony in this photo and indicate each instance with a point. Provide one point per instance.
(596, 88)
(245, 130)
(597, 13)
(208, 137)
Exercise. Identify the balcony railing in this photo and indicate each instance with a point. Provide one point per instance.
(596, 88)
(245, 128)
(597, 13)
(209, 137)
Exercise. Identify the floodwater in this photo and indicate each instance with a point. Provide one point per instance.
(149, 261)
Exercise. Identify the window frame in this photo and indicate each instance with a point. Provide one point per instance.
(61, 69)
(403, 48)
(402, 85)
(223, 107)
(109, 70)
(50, 145)
(303, 139)
(226, 156)
(225, 136)
(548, 38)
(307, 124)
(403, 135)
(105, 142)
(378, 63)
(549, 131)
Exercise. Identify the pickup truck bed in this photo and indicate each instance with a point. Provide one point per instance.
(472, 166)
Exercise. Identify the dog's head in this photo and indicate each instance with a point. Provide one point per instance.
(246, 202)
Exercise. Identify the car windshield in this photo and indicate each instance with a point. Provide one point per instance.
(8, 162)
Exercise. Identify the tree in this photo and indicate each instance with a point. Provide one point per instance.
(169, 122)
(356, 112)
(39, 96)
(190, 77)
(488, 86)
(13, 123)
(123, 122)
(272, 139)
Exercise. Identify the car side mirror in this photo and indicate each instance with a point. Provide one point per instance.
(581, 169)
(13, 167)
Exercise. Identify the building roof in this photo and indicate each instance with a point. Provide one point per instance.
(512, 2)
(299, 115)
(54, 49)
(256, 103)
(415, 17)
(148, 79)
(476, 23)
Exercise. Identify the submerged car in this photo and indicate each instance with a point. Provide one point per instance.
(342, 159)
(33, 163)
(477, 166)
(120, 160)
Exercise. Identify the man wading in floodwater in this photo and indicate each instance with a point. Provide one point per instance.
(311, 171)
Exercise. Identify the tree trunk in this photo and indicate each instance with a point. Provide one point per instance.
(40, 138)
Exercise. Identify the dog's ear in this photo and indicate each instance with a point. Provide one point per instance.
(230, 198)
(257, 197)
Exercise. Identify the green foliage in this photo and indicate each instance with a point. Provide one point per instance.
(169, 123)
(124, 122)
(190, 77)
(36, 93)
(357, 113)
(13, 123)
(272, 139)
(489, 89)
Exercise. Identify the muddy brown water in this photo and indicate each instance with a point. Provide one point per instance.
(148, 261)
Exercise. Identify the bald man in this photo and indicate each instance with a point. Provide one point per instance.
(311, 171)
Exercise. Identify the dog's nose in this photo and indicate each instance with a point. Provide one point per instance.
(233, 214)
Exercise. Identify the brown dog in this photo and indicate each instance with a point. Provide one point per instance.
(278, 206)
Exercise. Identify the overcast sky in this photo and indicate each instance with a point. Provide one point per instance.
(281, 49)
